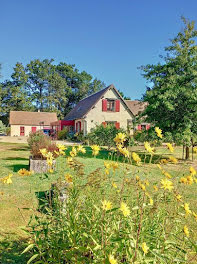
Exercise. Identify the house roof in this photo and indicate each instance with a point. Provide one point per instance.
(136, 106)
(85, 105)
(32, 118)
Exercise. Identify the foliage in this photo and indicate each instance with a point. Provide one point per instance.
(131, 221)
(172, 96)
(63, 134)
(43, 85)
(103, 135)
(2, 127)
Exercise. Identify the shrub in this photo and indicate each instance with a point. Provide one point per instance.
(63, 134)
(2, 127)
(103, 136)
(38, 140)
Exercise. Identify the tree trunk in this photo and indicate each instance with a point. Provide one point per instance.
(187, 153)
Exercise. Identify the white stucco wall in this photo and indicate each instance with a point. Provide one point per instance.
(15, 129)
(97, 116)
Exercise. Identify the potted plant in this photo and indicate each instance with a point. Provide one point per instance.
(43, 152)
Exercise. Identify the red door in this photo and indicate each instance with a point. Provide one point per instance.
(22, 131)
(33, 129)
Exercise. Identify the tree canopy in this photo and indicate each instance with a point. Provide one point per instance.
(45, 86)
(172, 91)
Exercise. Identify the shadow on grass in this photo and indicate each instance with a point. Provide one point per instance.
(17, 167)
(10, 251)
(105, 154)
(21, 148)
(15, 158)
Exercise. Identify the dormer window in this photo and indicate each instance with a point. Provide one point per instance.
(111, 105)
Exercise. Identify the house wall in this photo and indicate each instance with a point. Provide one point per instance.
(97, 116)
(15, 129)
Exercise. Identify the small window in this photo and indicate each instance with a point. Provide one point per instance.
(110, 105)
(111, 122)
(143, 127)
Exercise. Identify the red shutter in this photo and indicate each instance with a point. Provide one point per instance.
(147, 127)
(139, 127)
(104, 124)
(117, 125)
(117, 105)
(33, 129)
(104, 105)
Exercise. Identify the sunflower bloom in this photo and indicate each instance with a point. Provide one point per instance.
(167, 185)
(136, 157)
(7, 180)
(179, 197)
(148, 147)
(125, 209)
(192, 171)
(145, 248)
(106, 205)
(95, 150)
(68, 177)
(170, 147)
(112, 260)
(187, 209)
(81, 149)
(186, 231)
(173, 160)
(159, 132)
(120, 138)
(61, 147)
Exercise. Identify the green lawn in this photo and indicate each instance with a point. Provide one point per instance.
(24, 190)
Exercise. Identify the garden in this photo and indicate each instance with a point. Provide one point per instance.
(126, 204)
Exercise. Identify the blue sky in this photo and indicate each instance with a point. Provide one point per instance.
(107, 38)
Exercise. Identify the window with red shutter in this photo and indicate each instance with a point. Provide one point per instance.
(139, 127)
(117, 105)
(117, 125)
(147, 127)
(104, 105)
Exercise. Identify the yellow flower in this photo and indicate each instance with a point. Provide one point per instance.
(125, 152)
(187, 210)
(112, 260)
(43, 152)
(107, 165)
(106, 205)
(145, 248)
(125, 209)
(22, 172)
(73, 152)
(7, 179)
(136, 157)
(178, 197)
(189, 180)
(166, 184)
(142, 186)
(146, 182)
(165, 173)
(106, 171)
(51, 170)
(159, 132)
(68, 177)
(186, 231)
(155, 188)
(192, 171)
(95, 150)
(195, 180)
(170, 147)
(183, 180)
(195, 149)
(151, 201)
(173, 160)
(57, 152)
(49, 155)
(61, 147)
(114, 165)
(159, 166)
(50, 162)
(114, 185)
(148, 147)
(163, 161)
(195, 215)
(120, 138)
(137, 178)
(81, 149)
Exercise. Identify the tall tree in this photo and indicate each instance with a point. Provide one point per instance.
(172, 95)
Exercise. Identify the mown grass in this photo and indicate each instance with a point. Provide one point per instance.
(17, 197)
